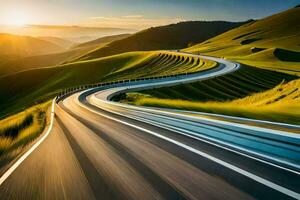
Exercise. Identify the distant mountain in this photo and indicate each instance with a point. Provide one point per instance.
(13, 62)
(174, 36)
(103, 40)
(64, 43)
(14, 46)
(56, 27)
(76, 34)
(272, 43)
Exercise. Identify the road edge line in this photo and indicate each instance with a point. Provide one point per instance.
(204, 139)
(250, 175)
(25, 155)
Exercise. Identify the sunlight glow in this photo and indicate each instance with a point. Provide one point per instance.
(16, 18)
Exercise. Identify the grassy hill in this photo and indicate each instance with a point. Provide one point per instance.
(14, 46)
(174, 36)
(270, 43)
(20, 90)
(102, 41)
(269, 90)
(12, 64)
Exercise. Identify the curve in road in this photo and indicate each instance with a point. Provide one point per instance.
(105, 153)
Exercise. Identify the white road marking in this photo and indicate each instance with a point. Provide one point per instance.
(238, 118)
(109, 92)
(24, 156)
(214, 159)
(191, 135)
(234, 124)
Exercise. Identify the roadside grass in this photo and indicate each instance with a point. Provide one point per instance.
(18, 130)
(21, 90)
(281, 104)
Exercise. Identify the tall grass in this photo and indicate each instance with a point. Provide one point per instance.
(20, 129)
(20, 124)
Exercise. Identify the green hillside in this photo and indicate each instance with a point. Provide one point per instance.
(20, 90)
(270, 43)
(174, 36)
(14, 46)
(269, 90)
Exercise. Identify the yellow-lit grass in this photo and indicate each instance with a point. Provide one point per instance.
(281, 103)
(25, 134)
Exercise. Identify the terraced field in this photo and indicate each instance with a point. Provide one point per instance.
(246, 81)
(20, 90)
(163, 63)
(248, 92)
(281, 104)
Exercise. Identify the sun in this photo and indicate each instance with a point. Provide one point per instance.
(16, 18)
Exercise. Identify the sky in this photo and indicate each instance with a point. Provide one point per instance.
(135, 14)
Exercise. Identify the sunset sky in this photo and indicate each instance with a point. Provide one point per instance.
(136, 14)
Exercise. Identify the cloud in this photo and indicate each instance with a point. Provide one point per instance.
(134, 16)
(131, 21)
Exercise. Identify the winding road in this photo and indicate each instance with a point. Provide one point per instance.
(98, 149)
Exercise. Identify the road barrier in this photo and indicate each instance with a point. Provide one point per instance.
(72, 90)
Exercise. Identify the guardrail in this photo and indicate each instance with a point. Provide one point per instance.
(75, 89)
(68, 91)
(277, 148)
